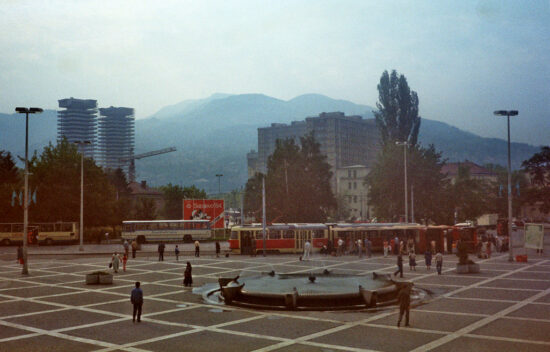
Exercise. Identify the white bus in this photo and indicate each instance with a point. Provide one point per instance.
(144, 231)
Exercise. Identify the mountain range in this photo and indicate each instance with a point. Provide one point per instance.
(213, 135)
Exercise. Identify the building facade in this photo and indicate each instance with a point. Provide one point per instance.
(78, 123)
(116, 137)
(344, 140)
(352, 191)
(477, 172)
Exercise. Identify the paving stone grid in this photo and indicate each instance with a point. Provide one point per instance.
(506, 307)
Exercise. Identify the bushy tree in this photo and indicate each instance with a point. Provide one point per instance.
(10, 181)
(397, 116)
(538, 168)
(470, 197)
(297, 184)
(173, 199)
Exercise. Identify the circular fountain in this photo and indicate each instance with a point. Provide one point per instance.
(307, 291)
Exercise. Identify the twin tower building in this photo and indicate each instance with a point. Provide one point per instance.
(111, 133)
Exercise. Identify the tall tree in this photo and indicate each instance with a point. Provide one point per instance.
(538, 167)
(397, 116)
(9, 182)
(471, 197)
(173, 199)
(297, 184)
(386, 184)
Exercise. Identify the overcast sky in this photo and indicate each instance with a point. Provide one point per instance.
(463, 58)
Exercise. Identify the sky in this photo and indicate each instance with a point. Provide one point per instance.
(465, 59)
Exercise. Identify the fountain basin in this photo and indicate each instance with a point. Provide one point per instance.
(310, 291)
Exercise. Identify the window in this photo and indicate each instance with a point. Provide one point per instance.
(349, 173)
(288, 234)
(355, 199)
(318, 234)
(234, 235)
(355, 185)
(5, 227)
(274, 234)
(127, 228)
(17, 228)
(349, 185)
(46, 227)
(354, 173)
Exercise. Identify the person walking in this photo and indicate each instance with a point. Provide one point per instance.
(307, 250)
(177, 252)
(399, 265)
(340, 246)
(134, 248)
(161, 252)
(126, 246)
(197, 249)
(439, 262)
(20, 259)
(217, 249)
(412, 261)
(428, 259)
(136, 297)
(359, 249)
(124, 260)
(386, 248)
(404, 299)
(115, 262)
(187, 276)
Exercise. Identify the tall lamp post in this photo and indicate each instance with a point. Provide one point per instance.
(219, 176)
(26, 111)
(405, 144)
(81, 231)
(509, 113)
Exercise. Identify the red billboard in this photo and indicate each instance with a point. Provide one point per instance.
(205, 209)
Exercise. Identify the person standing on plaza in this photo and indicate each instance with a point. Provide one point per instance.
(396, 245)
(307, 250)
(386, 248)
(253, 247)
(20, 255)
(399, 265)
(197, 249)
(359, 249)
(368, 247)
(428, 259)
(439, 262)
(217, 249)
(134, 248)
(161, 251)
(126, 246)
(115, 262)
(124, 260)
(404, 299)
(177, 252)
(136, 298)
(340, 246)
(412, 261)
(187, 276)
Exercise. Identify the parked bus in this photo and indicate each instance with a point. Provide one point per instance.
(144, 231)
(39, 233)
(282, 238)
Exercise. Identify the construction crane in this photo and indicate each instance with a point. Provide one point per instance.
(132, 159)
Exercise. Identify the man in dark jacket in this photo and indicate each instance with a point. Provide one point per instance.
(161, 252)
(399, 265)
(137, 300)
(404, 299)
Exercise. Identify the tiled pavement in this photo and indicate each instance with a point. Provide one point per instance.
(504, 308)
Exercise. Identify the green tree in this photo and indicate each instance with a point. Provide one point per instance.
(538, 167)
(145, 209)
(10, 181)
(471, 197)
(173, 199)
(297, 184)
(498, 191)
(386, 184)
(56, 176)
(397, 116)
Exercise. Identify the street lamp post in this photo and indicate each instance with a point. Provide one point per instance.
(509, 113)
(26, 111)
(405, 144)
(219, 176)
(81, 231)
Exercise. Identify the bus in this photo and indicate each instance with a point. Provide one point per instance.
(39, 233)
(281, 238)
(144, 231)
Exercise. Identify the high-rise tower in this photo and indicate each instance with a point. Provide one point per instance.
(115, 137)
(78, 122)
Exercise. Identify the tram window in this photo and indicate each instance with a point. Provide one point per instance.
(288, 234)
(274, 234)
(234, 235)
(373, 234)
(260, 235)
(46, 227)
(318, 234)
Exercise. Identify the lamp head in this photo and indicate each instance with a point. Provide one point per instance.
(35, 110)
(21, 110)
(505, 112)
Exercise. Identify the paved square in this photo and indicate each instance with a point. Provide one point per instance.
(506, 307)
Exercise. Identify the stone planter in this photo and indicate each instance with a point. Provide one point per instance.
(473, 268)
(462, 269)
(92, 279)
(105, 279)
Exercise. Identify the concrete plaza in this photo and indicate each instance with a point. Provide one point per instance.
(506, 307)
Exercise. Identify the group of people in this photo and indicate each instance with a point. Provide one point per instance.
(428, 257)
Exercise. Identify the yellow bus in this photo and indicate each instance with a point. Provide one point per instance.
(39, 233)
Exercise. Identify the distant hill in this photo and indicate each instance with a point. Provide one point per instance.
(214, 134)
